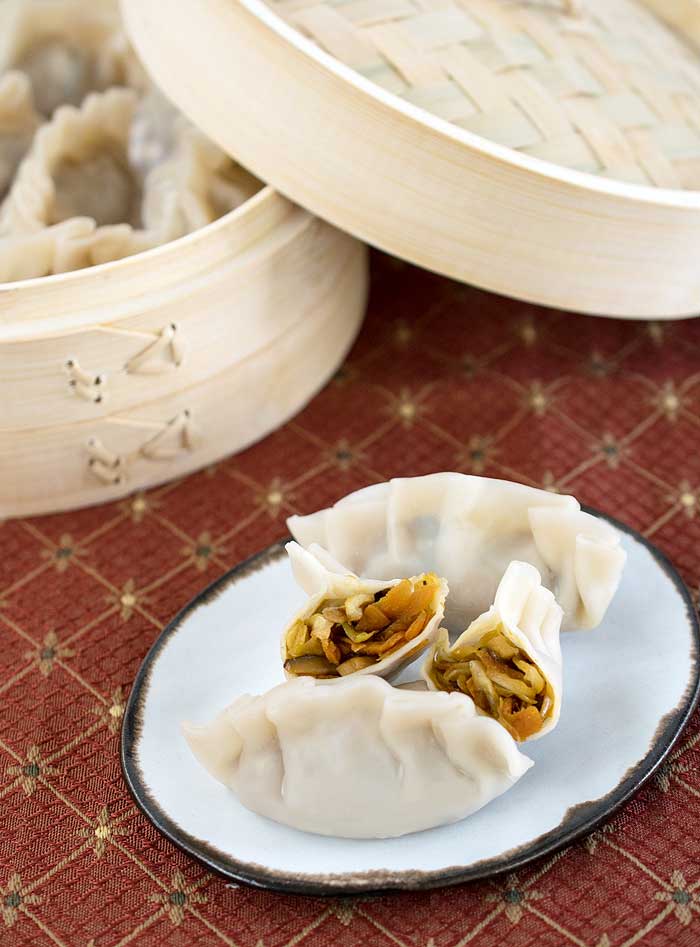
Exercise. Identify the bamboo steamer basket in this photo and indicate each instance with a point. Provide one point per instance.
(544, 149)
(125, 375)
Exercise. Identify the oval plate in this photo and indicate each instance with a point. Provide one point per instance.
(615, 730)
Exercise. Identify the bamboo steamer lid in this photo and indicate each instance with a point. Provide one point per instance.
(545, 149)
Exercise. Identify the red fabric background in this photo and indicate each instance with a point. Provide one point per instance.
(442, 377)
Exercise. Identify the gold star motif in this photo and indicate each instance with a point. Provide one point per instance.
(178, 897)
(656, 331)
(477, 453)
(687, 497)
(527, 332)
(537, 399)
(127, 599)
(12, 897)
(138, 506)
(343, 456)
(102, 832)
(683, 900)
(610, 449)
(64, 553)
(111, 715)
(406, 408)
(273, 497)
(598, 365)
(403, 334)
(344, 910)
(29, 771)
(669, 401)
(513, 896)
(48, 652)
(200, 553)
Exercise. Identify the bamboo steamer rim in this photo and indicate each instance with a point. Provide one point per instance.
(583, 180)
(98, 271)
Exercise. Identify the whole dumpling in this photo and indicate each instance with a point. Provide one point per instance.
(509, 659)
(360, 759)
(468, 529)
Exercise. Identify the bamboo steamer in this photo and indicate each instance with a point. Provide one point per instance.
(125, 375)
(545, 149)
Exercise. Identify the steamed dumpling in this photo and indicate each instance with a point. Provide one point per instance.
(66, 48)
(509, 659)
(468, 529)
(79, 171)
(360, 759)
(352, 626)
(193, 186)
(76, 170)
(18, 122)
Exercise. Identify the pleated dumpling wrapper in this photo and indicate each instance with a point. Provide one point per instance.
(360, 759)
(18, 122)
(509, 659)
(468, 529)
(79, 199)
(66, 48)
(353, 626)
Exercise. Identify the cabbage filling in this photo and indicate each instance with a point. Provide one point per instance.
(500, 678)
(348, 635)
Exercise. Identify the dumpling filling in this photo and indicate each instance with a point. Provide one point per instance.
(347, 635)
(500, 678)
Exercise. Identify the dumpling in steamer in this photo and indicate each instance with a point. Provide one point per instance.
(354, 626)
(509, 659)
(468, 529)
(79, 172)
(360, 759)
(18, 122)
(194, 185)
(77, 169)
(67, 48)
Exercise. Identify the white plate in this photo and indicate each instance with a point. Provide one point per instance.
(630, 687)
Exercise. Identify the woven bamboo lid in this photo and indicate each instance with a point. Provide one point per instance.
(596, 85)
(545, 149)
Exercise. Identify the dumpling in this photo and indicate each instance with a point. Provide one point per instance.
(358, 760)
(77, 169)
(468, 529)
(18, 122)
(67, 48)
(509, 659)
(193, 186)
(355, 626)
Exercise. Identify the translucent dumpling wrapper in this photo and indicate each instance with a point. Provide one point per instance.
(194, 185)
(18, 122)
(509, 659)
(67, 48)
(77, 170)
(358, 760)
(468, 529)
(352, 626)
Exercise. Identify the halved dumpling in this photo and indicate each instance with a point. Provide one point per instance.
(508, 660)
(351, 625)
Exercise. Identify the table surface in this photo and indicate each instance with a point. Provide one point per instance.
(443, 377)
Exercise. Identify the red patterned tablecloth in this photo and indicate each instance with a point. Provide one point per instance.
(442, 377)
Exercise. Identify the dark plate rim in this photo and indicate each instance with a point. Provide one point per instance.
(578, 821)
